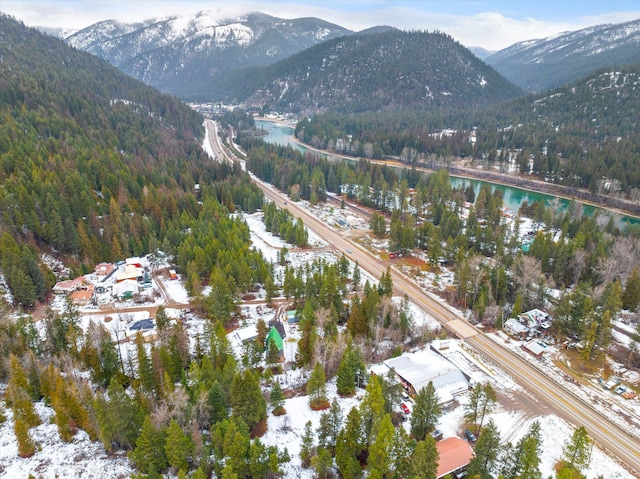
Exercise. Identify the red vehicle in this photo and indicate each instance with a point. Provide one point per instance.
(405, 409)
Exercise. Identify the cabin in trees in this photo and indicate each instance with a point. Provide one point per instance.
(454, 456)
(83, 295)
(276, 337)
(531, 323)
(246, 334)
(135, 262)
(416, 370)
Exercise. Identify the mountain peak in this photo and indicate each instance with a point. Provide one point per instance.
(538, 65)
(186, 53)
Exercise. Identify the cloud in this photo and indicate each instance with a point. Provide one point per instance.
(492, 30)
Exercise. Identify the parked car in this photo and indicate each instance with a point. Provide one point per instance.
(469, 436)
(436, 434)
(405, 409)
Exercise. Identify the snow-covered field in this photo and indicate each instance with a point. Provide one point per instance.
(55, 459)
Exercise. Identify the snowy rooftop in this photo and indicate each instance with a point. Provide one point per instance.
(423, 366)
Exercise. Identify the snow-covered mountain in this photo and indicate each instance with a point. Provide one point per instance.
(539, 65)
(182, 54)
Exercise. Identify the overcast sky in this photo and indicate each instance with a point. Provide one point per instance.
(489, 24)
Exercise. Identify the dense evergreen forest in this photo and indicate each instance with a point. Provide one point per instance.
(583, 135)
(95, 166)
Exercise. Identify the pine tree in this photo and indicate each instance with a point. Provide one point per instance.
(346, 380)
(145, 369)
(577, 451)
(482, 400)
(317, 387)
(631, 295)
(426, 412)
(322, 463)
(401, 454)
(277, 399)
(349, 446)
(237, 451)
(227, 473)
(357, 277)
(306, 343)
(218, 403)
(149, 454)
(247, 401)
(17, 395)
(119, 417)
(329, 428)
(306, 446)
(379, 461)
(486, 452)
(357, 321)
(372, 408)
(425, 459)
(178, 447)
(385, 286)
(529, 450)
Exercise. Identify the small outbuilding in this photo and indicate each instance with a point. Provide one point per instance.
(535, 348)
(293, 317)
(246, 334)
(104, 269)
(68, 286)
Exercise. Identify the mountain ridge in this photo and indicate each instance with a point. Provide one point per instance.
(387, 70)
(184, 54)
(543, 64)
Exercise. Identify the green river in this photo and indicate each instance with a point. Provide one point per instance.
(512, 197)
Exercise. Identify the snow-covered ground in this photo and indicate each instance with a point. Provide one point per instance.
(55, 459)
(82, 458)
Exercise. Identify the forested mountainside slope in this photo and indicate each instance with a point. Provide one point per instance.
(185, 55)
(585, 134)
(388, 70)
(94, 165)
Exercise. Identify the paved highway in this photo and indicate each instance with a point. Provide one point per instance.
(609, 436)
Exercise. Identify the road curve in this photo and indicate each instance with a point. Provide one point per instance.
(608, 435)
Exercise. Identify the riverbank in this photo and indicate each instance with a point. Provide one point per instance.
(614, 205)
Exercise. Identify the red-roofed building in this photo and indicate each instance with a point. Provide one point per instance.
(455, 454)
(68, 286)
(82, 296)
(104, 269)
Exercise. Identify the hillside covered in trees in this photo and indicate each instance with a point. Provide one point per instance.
(95, 166)
(575, 135)
(380, 71)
